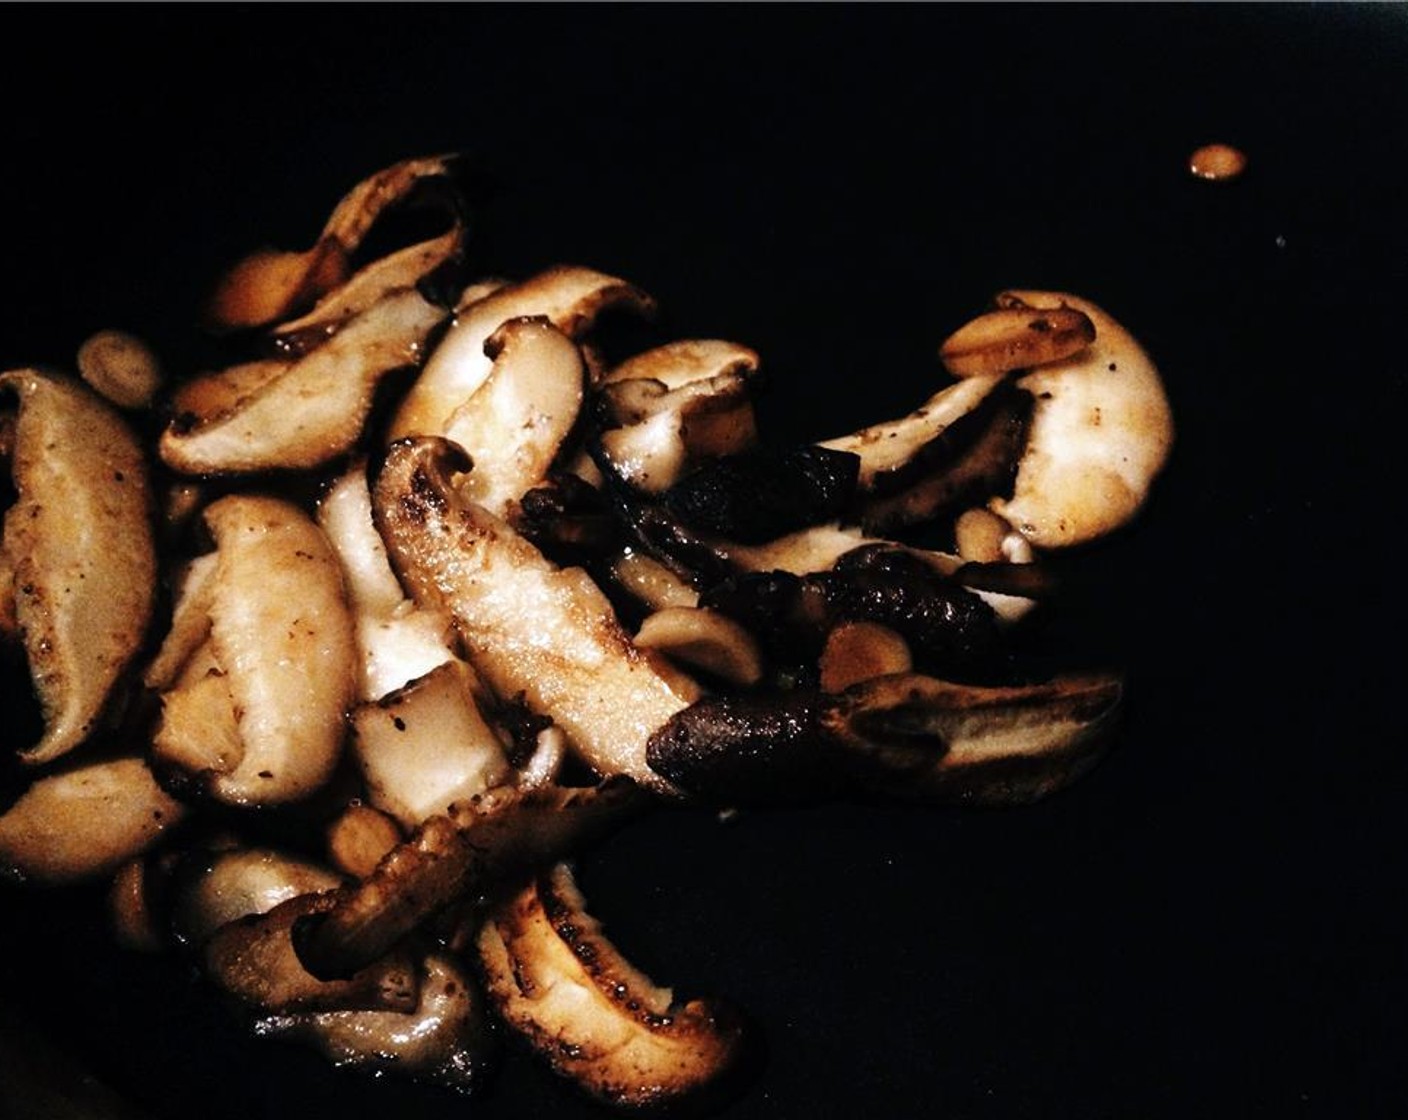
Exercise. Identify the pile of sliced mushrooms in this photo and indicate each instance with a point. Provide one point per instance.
(448, 592)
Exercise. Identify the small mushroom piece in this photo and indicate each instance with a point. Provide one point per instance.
(217, 888)
(595, 1018)
(904, 736)
(85, 823)
(703, 639)
(269, 285)
(444, 1040)
(359, 838)
(516, 422)
(571, 298)
(1011, 338)
(466, 855)
(304, 413)
(258, 670)
(121, 367)
(544, 634)
(78, 551)
(857, 651)
(426, 746)
(1101, 431)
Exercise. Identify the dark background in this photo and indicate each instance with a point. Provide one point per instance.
(1207, 924)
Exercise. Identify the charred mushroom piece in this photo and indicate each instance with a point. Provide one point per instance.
(903, 736)
(463, 856)
(961, 446)
(85, 823)
(78, 552)
(533, 631)
(1101, 432)
(287, 415)
(257, 672)
(269, 286)
(570, 298)
(591, 1015)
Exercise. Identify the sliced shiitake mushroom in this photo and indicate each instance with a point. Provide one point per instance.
(269, 286)
(542, 634)
(595, 1018)
(570, 298)
(85, 822)
(468, 854)
(299, 413)
(79, 552)
(1101, 431)
(258, 670)
(905, 736)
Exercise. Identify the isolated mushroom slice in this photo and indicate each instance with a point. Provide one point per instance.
(301, 413)
(595, 1018)
(465, 855)
(1100, 433)
(79, 553)
(271, 679)
(270, 285)
(570, 297)
(900, 736)
(85, 822)
(545, 635)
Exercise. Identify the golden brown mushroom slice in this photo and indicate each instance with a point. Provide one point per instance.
(545, 634)
(302, 413)
(78, 548)
(269, 285)
(589, 1013)
(1101, 431)
(86, 822)
(258, 670)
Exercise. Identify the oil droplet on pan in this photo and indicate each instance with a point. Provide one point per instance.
(1217, 161)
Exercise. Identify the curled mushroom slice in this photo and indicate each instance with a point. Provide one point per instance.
(79, 551)
(444, 1040)
(1016, 338)
(544, 634)
(253, 960)
(1100, 433)
(462, 856)
(254, 693)
(515, 423)
(217, 888)
(703, 639)
(302, 413)
(672, 407)
(595, 1018)
(121, 367)
(899, 736)
(269, 285)
(570, 298)
(86, 822)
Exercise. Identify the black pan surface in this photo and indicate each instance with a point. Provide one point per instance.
(1206, 924)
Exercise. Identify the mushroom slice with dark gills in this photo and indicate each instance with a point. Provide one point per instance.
(462, 856)
(258, 669)
(544, 635)
(78, 559)
(960, 446)
(902, 736)
(270, 286)
(303, 412)
(596, 1019)
(571, 298)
